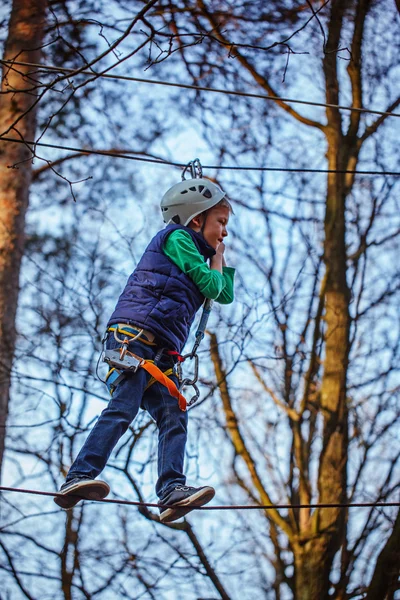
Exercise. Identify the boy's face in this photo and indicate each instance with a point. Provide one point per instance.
(215, 229)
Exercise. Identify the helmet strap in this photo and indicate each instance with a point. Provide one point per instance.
(204, 222)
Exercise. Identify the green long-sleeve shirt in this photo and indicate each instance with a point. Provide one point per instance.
(180, 248)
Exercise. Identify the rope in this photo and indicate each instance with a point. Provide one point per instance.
(181, 165)
(224, 507)
(200, 88)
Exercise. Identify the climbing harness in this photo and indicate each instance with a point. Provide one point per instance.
(122, 362)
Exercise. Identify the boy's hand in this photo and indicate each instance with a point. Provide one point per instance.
(220, 248)
(220, 252)
(217, 261)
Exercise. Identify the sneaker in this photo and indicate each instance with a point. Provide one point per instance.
(81, 488)
(185, 499)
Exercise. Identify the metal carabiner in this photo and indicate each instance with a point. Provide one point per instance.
(196, 368)
(192, 382)
(196, 169)
(194, 398)
(193, 354)
(125, 342)
(178, 371)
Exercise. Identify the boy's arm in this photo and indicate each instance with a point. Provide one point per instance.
(227, 294)
(218, 262)
(215, 282)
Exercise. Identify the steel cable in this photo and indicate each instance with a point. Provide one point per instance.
(182, 165)
(199, 88)
(223, 507)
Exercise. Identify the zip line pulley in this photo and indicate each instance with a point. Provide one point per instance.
(195, 168)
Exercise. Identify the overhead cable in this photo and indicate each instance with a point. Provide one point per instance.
(199, 88)
(223, 507)
(182, 165)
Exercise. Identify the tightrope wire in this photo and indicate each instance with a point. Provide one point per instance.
(224, 507)
(182, 165)
(199, 88)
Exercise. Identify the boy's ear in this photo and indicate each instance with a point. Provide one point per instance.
(197, 221)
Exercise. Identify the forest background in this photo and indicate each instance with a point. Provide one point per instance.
(299, 377)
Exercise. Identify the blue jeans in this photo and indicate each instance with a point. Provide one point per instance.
(127, 398)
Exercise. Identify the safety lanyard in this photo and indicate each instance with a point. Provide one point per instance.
(193, 354)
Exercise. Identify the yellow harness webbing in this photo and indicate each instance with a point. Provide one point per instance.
(152, 380)
(130, 332)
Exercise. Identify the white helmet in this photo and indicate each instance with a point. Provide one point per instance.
(188, 198)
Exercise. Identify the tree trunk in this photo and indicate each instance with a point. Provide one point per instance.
(25, 37)
(312, 569)
(385, 580)
(324, 534)
(326, 529)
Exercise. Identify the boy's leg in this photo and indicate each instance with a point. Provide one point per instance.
(172, 435)
(172, 426)
(111, 425)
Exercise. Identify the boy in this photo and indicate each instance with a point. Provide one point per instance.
(155, 312)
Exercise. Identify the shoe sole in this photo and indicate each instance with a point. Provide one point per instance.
(183, 507)
(85, 490)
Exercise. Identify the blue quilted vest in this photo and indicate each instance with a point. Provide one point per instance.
(159, 296)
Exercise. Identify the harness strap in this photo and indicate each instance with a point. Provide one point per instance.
(152, 380)
(159, 376)
(115, 376)
(178, 356)
(131, 332)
